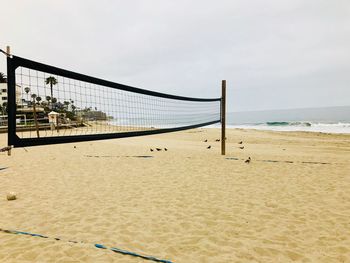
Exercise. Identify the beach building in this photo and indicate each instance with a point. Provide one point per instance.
(92, 115)
(4, 94)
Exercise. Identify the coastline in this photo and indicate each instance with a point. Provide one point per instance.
(341, 128)
(187, 204)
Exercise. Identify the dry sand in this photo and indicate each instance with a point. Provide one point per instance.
(188, 204)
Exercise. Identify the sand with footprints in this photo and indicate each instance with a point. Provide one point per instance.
(290, 202)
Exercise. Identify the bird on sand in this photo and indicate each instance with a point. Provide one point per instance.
(206, 141)
(158, 149)
(209, 147)
(165, 149)
(248, 160)
(241, 147)
(151, 150)
(7, 148)
(217, 140)
(240, 142)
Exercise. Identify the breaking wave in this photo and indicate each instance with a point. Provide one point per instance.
(339, 127)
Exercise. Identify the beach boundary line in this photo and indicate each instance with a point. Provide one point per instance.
(275, 161)
(114, 249)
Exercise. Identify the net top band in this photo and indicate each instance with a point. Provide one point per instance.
(18, 61)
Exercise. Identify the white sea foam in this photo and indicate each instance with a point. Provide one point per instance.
(310, 127)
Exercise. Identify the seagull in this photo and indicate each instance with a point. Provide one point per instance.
(240, 142)
(248, 160)
(158, 149)
(241, 147)
(165, 149)
(151, 150)
(209, 147)
(206, 141)
(5, 149)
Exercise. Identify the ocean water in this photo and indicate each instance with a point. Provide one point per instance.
(326, 120)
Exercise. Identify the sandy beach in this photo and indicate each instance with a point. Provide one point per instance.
(291, 203)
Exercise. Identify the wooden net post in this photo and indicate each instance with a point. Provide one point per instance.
(35, 119)
(8, 51)
(223, 117)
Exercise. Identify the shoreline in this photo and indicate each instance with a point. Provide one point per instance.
(281, 129)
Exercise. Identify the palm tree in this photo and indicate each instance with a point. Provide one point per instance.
(27, 90)
(4, 108)
(53, 103)
(48, 98)
(66, 104)
(52, 81)
(3, 78)
(34, 96)
(73, 106)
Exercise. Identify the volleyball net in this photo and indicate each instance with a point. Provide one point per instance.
(49, 105)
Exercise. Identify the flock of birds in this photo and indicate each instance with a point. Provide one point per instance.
(158, 149)
(208, 147)
(240, 147)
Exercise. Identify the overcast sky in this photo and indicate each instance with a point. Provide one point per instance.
(274, 54)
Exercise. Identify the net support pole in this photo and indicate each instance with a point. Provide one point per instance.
(223, 117)
(35, 119)
(8, 51)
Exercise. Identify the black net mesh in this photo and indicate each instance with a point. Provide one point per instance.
(51, 105)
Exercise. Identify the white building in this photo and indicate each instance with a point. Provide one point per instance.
(3, 94)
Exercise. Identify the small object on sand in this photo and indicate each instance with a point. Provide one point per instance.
(240, 142)
(248, 160)
(209, 147)
(11, 196)
(205, 140)
(6, 149)
(283, 149)
(158, 149)
(165, 149)
(241, 147)
(217, 140)
(151, 150)
(75, 147)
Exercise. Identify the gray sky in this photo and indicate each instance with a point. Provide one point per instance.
(274, 54)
